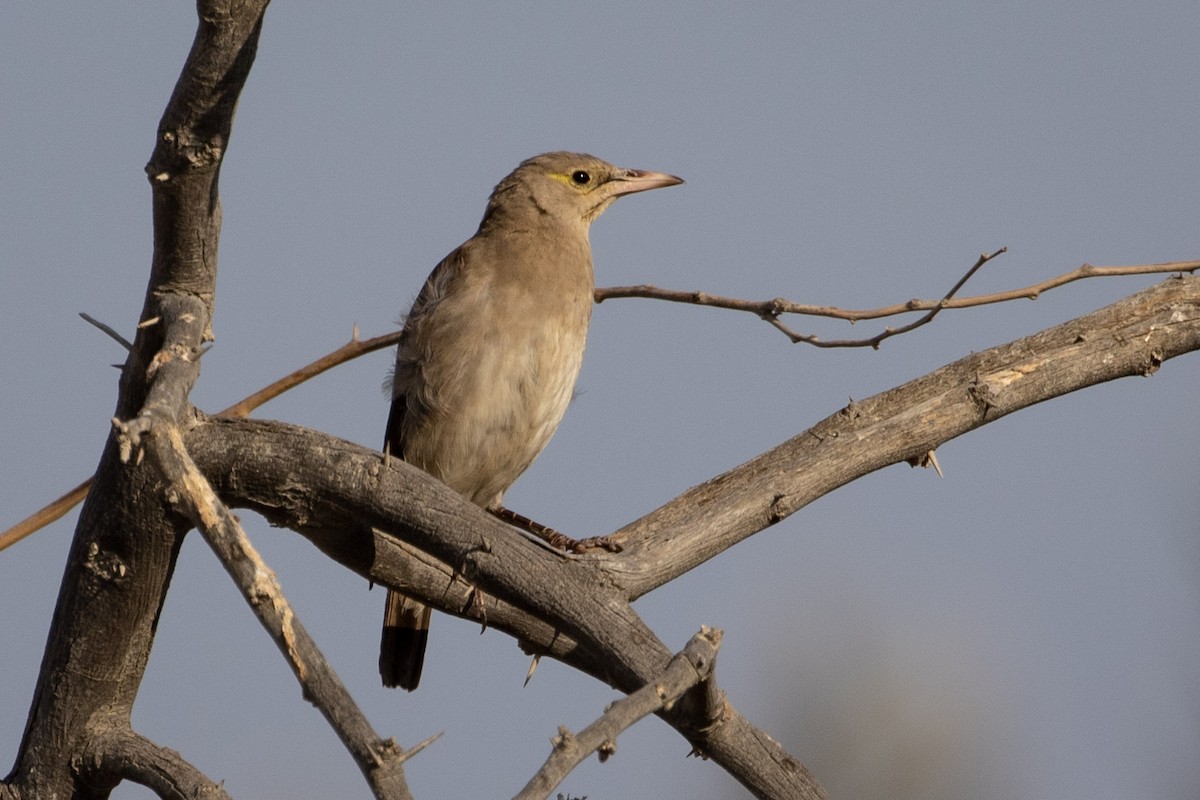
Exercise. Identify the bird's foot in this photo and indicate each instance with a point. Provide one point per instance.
(559, 541)
(583, 545)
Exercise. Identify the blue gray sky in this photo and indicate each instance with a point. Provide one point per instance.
(1025, 626)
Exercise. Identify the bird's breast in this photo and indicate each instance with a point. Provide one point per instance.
(499, 393)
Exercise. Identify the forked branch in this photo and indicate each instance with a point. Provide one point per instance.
(772, 310)
(133, 757)
(380, 761)
(690, 666)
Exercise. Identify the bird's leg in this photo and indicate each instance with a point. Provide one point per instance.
(552, 537)
(475, 609)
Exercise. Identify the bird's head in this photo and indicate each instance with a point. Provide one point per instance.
(570, 188)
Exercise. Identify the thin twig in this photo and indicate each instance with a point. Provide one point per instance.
(44, 516)
(419, 746)
(874, 341)
(121, 340)
(690, 666)
(770, 310)
(349, 351)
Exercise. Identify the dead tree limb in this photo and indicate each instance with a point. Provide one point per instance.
(127, 538)
(691, 665)
(397, 526)
(379, 760)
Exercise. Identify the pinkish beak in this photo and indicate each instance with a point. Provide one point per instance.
(639, 180)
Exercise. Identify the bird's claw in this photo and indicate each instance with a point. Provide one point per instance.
(595, 543)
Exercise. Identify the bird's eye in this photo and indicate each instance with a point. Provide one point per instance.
(580, 177)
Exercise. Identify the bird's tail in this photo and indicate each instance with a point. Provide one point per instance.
(402, 646)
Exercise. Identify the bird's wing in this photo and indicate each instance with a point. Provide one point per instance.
(406, 377)
(393, 440)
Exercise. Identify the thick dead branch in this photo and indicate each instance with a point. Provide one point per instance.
(380, 761)
(1129, 338)
(126, 541)
(126, 755)
(690, 666)
(344, 496)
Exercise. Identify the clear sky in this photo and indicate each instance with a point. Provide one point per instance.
(1025, 626)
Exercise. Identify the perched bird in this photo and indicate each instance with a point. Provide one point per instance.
(489, 353)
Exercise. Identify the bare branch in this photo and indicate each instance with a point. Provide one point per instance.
(126, 540)
(771, 310)
(347, 352)
(44, 516)
(566, 607)
(690, 666)
(118, 338)
(874, 341)
(1131, 337)
(355, 506)
(419, 746)
(122, 753)
(380, 761)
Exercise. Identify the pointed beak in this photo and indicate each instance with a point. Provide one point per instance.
(639, 180)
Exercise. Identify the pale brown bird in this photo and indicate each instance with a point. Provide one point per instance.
(489, 353)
